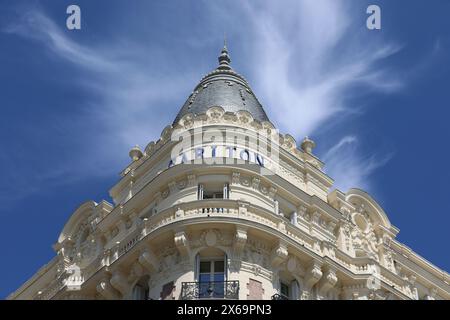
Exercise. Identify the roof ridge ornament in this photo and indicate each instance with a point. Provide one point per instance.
(224, 58)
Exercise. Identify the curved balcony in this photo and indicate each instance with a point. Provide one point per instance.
(210, 290)
(226, 210)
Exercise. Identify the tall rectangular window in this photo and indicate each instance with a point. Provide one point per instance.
(211, 278)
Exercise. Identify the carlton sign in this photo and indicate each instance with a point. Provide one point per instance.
(213, 154)
(228, 146)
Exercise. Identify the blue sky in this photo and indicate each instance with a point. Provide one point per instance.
(74, 102)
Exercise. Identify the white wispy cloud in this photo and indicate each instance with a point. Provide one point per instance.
(308, 58)
(130, 90)
(302, 56)
(351, 168)
(34, 24)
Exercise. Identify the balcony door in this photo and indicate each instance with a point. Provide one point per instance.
(213, 191)
(211, 278)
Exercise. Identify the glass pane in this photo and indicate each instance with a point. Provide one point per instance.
(219, 277)
(138, 293)
(205, 277)
(219, 266)
(205, 266)
(284, 289)
(219, 289)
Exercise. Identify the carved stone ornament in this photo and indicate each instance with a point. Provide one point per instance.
(210, 238)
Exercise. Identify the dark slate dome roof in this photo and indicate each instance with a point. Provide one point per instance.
(225, 88)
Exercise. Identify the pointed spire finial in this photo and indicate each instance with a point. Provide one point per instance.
(224, 58)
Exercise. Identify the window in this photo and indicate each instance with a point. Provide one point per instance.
(139, 293)
(141, 290)
(211, 278)
(213, 195)
(211, 192)
(284, 289)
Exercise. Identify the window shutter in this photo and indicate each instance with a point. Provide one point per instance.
(295, 290)
(200, 192)
(197, 267)
(138, 293)
(225, 265)
(225, 191)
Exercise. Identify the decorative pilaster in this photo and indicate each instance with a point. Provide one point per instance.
(302, 211)
(235, 178)
(272, 192)
(344, 242)
(192, 180)
(276, 207)
(316, 218)
(412, 284)
(172, 187)
(255, 183)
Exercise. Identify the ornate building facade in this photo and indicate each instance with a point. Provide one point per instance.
(238, 212)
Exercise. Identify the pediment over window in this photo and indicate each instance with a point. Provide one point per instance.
(84, 218)
(79, 217)
(368, 213)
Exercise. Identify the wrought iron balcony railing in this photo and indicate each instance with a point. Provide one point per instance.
(279, 296)
(210, 290)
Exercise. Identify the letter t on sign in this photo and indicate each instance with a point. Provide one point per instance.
(73, 21)
(374, 20)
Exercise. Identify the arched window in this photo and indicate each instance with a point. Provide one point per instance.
(289, 287)
(211, 273)
(141, 290)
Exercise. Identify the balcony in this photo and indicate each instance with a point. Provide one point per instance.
(210, 290)
(279, 296)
